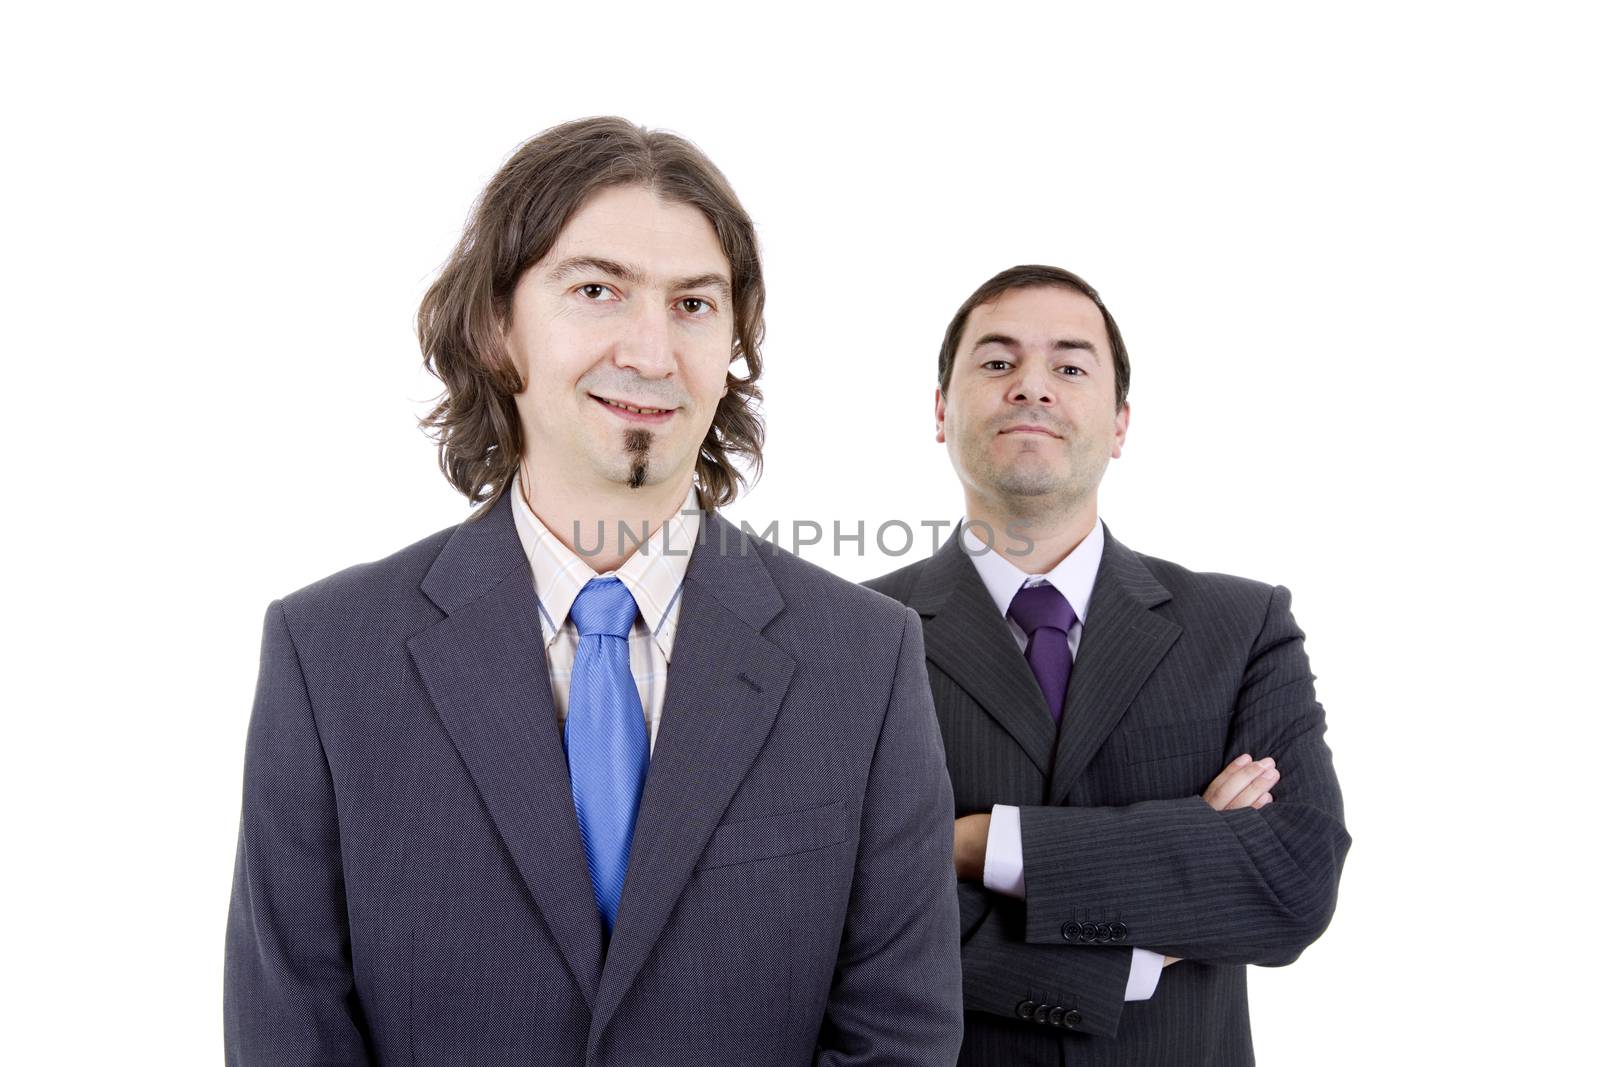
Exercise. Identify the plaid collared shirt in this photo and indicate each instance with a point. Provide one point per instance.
(653, 574)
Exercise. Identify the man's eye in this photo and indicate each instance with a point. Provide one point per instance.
(1069, 367)
(595, 291)
(995, 362)
(695, 306)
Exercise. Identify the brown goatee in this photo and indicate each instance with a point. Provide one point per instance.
(637, 444)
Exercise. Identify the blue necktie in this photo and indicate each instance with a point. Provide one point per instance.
(608, 749)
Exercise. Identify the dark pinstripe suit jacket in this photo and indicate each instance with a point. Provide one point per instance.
(1176, 673)
(411, 885)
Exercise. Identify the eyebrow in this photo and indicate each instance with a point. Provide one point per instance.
(1064, 344)
(575, 265)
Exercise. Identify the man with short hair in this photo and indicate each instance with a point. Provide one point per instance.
(1113, 882)
(594, 778)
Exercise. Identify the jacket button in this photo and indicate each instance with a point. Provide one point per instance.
(1025, 1009)
(1071, 1019)
(1102, 932)
(1071, 931)
(1119, 932)
(1041, 1013)
(1056, 1014)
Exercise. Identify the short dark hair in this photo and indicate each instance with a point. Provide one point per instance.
(513, 225)
(1029, 276)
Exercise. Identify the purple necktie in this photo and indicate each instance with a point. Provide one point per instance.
(1046, 617)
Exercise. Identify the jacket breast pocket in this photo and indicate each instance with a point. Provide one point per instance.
(1198, 737)
(784, 834)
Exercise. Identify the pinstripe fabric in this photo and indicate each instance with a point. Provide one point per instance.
(1176, 673)
(653, 574)
(411, 887)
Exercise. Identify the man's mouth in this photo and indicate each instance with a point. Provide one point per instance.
(1030, 428)
(634, 412)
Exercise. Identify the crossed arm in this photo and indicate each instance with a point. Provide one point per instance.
(1246, 873)
(1244, 783)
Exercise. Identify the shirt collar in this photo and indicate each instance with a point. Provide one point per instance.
(653, 573)
(1073, 577)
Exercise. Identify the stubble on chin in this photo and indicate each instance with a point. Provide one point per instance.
(1030, 487)
(1030, 496)
(636, 443)
(1025, 475)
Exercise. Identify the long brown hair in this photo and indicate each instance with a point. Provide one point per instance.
(514, 223)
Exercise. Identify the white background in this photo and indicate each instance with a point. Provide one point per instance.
(1353, 254)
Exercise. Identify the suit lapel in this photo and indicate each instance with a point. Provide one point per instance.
(484, 668)
(1122, 642)
(968, 639)
(725, 683)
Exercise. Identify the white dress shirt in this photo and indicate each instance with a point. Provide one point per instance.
(653, 574)
(1074, 579)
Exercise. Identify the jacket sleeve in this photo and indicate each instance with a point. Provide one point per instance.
(1077, 989)
(1174, 876)
(896, 996)
(288, 991)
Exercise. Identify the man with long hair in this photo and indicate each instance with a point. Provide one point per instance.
(594, 777)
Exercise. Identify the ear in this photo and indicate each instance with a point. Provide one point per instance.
(938, 414)
(1121, 428)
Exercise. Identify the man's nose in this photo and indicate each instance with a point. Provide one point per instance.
(647, 342)
(1033, 387)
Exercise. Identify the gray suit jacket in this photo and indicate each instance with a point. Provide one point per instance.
(1176, 673)
(411, 887)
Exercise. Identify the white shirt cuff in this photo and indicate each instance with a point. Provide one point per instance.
(1002, 855)
(1002, 873)
(1144, 974)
